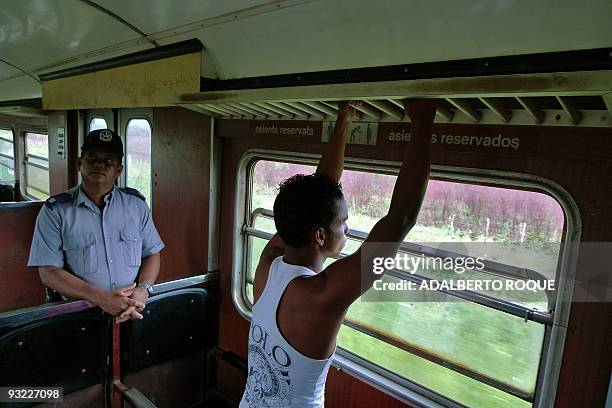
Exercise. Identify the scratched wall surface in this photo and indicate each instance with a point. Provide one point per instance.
(19, 285)
(181, 163)
(579, 159)
(147, 84)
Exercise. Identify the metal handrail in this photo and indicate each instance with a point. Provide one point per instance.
(6, 156)
(491, 267)
(169, 286)
(132, 395)
(38, 166)
(19, 204)
(30, 314)
(35, 156)
(475, 297)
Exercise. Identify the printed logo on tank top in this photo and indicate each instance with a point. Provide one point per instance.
(268, 382)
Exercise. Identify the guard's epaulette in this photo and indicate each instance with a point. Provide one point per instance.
(133, 191)
(59, 199)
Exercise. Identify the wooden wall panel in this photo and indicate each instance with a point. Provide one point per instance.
(58, 165)
(181, 160)
(579, 159)
(343, 390)
(73, 118)
(233, 329)
(19, 285)
(175, 383)
(150, 83)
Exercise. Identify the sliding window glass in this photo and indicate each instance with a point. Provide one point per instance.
(97, 123)
(7, 156)
(37, 165)
(477, 349)
(138, 157)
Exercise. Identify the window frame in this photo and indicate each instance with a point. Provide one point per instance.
(401, 388)
(92, 118)
(89, 114)
(125, 116)
(14, 158)
(25, 162)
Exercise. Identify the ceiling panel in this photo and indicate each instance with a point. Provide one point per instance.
(348, 34)
(35, 33)
(22, 87)
(161, 15)
(7, 71)
(280, 37)
(101, 55)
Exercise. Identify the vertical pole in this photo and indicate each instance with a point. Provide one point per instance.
(116, 365)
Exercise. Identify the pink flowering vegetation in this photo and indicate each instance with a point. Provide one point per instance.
(37, 144)
(268, 174)
(139, 139)
(511, 215)
(476, 211)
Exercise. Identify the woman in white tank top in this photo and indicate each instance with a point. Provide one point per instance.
(299, 306)
(279, 375)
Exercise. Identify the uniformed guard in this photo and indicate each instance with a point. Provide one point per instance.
(97, 241)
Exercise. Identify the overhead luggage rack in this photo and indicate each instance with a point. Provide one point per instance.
(555, 99)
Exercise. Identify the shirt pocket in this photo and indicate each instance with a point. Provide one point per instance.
(131, 241)
(81, 255)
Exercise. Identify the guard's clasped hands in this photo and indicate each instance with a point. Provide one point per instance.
(124, 302)
(139, 295)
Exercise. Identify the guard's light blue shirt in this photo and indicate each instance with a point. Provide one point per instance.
(103, 247)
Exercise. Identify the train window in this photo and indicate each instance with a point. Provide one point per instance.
(97, 123)
(138, 158)
(7, 156)
(37, 165)
(456, 345)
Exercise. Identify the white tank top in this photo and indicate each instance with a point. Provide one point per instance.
(279, 375)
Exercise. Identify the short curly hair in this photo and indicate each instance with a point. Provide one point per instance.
(305, 202)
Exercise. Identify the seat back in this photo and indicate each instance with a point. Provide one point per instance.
(174, 324)
(6, 192)
(68, 351)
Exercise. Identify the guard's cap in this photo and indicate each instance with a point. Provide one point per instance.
(103, 138)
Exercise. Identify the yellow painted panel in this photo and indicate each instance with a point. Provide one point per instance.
(146, 84)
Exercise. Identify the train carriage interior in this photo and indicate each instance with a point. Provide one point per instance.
(217, 102)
